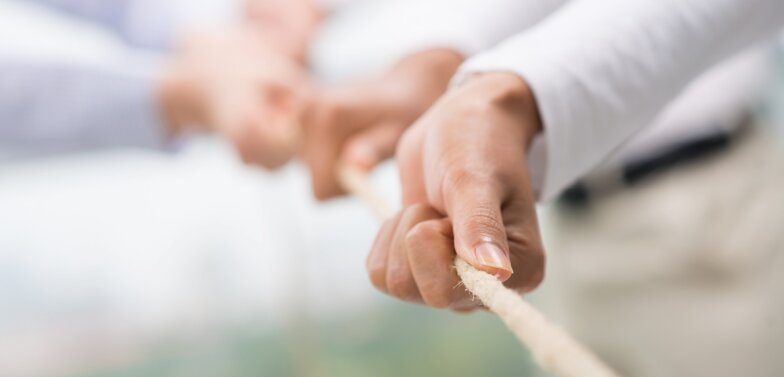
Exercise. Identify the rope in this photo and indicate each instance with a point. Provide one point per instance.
(554, 350)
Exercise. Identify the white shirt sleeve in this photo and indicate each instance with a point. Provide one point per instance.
(51, 106)
(470, 26)
(601, 70)
(366, 37)
(68, 86)
(151, 23)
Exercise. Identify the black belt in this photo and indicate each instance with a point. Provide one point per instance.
(580, 195)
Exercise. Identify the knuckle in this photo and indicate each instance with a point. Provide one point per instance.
(406, 145)
(420, 233)
(486, 179)
(438, 296)
(486, 222)
(399, 284)
(462, 174)
(458, 177)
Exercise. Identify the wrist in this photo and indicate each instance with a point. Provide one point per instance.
(442, 62)
(509, 93)
(420, 79)
(173, 98)
(430, 70)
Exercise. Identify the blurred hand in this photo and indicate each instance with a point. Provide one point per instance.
(361, 123)
(287, 25)
(234, 85)
(466, 191)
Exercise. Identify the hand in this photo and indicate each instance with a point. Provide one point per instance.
(465, 191)
(234, 85)
(288, 25)
(362, 123)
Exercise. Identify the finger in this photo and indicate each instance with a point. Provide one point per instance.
(322, 137)
(474, 205)
(261, 140)
(431, 254)
(376, 263)
(373, 145)
(399, 277)
(283, 126)
(409, 161)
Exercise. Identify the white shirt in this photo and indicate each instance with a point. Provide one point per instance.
(368, 36)
(602, 70)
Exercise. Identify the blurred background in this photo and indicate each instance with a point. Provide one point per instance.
(131, 264)
(127, 262)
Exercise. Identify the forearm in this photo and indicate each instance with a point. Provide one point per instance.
(602, 69)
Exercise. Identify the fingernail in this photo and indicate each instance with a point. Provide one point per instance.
(491, 256)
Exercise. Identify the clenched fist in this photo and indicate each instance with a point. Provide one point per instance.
(466, 192)
(233, 84)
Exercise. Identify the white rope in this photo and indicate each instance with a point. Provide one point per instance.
(554, 350)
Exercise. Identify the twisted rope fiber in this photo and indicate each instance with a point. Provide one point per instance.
(554, 350)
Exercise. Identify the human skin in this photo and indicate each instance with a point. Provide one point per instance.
(466, 192)
(235, 85)
(361, 123)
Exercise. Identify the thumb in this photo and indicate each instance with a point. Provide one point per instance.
(372, 146)
(480, 237)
